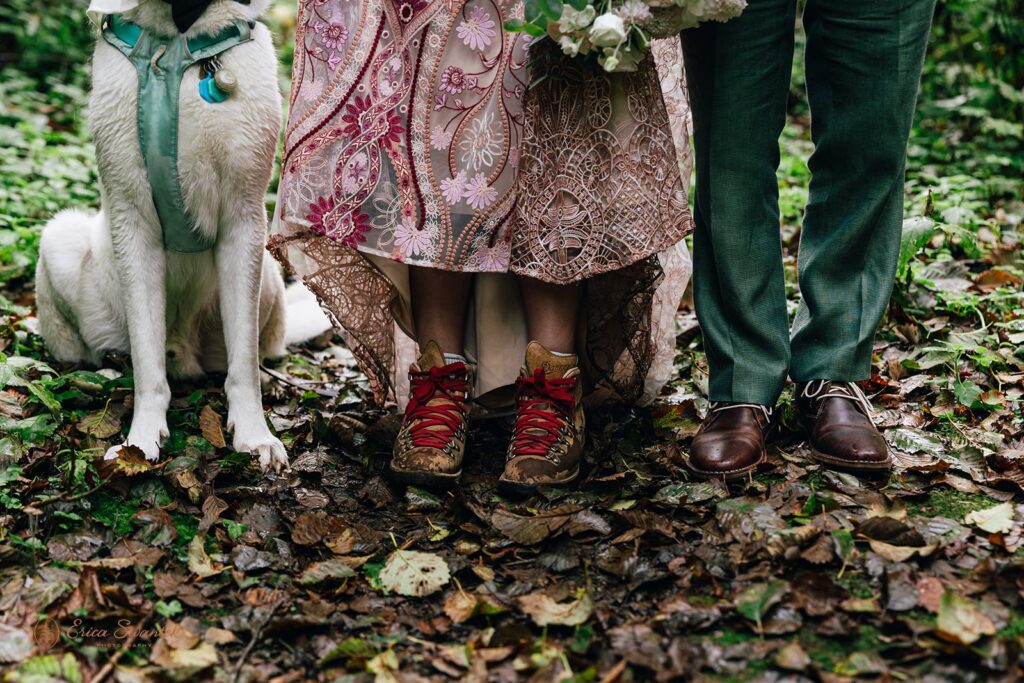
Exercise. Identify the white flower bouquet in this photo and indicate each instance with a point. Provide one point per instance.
(617, 33)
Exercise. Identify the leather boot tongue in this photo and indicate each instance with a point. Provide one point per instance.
(187, 12)
(430, 356)
(554, 366)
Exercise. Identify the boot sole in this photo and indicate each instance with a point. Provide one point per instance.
(521, 489)
(730, 475)
(424, 480)
(840, 463)
(851, 466)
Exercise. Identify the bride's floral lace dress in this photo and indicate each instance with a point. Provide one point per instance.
(412, 140)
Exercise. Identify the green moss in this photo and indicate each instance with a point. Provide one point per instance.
(950, 503)
(868, 639)
(769, 478)
(1015, 628)
(827, 653)
(730, 637)
(698, 600)
(187, 526)
(114, 512)
(858, 585)
(823, 652)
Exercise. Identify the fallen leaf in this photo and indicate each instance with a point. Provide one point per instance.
(792, 657)
(527, 530)
(329, 569)
(15, 644)
(131, 461)
(462, 606)
(755, 601)
(961, 620)
(546, 612)
(198, 658)
(929, 593)
(219, 636)
(212, 426)
(414, 573)
(104, 423)
(997, 519)
(198, 561)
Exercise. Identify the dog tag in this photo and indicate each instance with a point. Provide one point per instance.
(212, 75)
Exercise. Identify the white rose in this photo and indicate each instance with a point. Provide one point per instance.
(575, 20)
(608, 31)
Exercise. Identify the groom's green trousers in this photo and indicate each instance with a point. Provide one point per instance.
(863, 66)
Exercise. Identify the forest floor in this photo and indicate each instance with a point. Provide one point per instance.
(201, 567)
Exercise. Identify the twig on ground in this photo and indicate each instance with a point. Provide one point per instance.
(256, 634)
(615, 673)
(304, 385)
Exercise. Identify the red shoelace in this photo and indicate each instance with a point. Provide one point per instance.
(432, 424)
(544, 406)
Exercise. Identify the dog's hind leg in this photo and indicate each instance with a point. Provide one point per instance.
(141, 266)
(239, 273)
(59, 333)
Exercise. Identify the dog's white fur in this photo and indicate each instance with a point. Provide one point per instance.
(105, 282)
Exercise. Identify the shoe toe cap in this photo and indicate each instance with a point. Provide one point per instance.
(424, 460)
(530, 470)
(725, 455)
(854, 445)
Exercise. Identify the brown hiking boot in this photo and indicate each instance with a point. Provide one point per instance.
(547, 441)
(429, 447)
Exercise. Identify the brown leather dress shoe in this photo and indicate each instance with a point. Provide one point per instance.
(730, 442)
(837, 417)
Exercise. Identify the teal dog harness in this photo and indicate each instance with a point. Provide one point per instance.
(161, 63)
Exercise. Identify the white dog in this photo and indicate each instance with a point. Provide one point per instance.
(106, 282)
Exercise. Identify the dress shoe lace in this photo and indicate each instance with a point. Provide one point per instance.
(437, 405)
(820, 389)
(721, 406)
(544, 407)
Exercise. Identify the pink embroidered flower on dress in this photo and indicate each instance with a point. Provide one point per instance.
(494, 259)
(478, 193)
(334, 34)
(477, 30)
(454, 80)
(411, 241)
(452, 188)
(350, 230)
(393, 136)
(353, 116)
(355, 173)
(440, 138)
(318, 214)
(481, 143)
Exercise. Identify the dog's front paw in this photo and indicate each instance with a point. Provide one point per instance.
(266, 447)
(147, 434)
